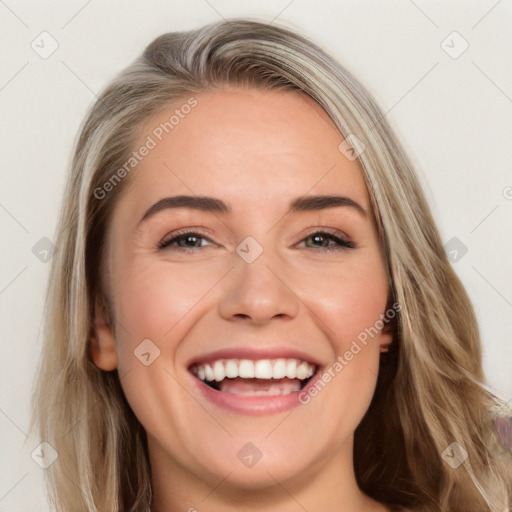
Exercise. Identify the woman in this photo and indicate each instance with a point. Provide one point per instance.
(308, 348)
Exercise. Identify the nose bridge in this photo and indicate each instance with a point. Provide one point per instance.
(258, 287)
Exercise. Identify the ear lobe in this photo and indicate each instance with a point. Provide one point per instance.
(102, 341)
(386, 336)
(385, 342)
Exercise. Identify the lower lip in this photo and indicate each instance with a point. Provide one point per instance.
(254, 405)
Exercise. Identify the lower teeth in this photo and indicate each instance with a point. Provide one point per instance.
(258, 387)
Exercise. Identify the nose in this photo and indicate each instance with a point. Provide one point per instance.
(258, 292)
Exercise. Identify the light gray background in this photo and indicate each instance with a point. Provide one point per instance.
(453, 115)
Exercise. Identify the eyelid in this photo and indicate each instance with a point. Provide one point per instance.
(342, 241)
(336, 234)
(179, 233)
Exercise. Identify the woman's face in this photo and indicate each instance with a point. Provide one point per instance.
(256, 286)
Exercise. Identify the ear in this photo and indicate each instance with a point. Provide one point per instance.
(103, 346)
(387, 334)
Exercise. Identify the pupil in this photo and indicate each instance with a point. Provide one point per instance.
(188, 238)
(316, 238)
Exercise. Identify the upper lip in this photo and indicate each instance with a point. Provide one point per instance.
(254, 354)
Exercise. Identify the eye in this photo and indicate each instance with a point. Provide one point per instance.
(323, 238)
(190, 240)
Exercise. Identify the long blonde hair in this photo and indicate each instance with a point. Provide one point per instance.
(430, 390)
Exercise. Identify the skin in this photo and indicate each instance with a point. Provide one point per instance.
(256, 150)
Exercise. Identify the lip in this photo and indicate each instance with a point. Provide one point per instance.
(254, 405)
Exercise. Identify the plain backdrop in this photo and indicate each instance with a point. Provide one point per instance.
(453, 113)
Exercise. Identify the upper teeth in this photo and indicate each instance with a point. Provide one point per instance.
(248, 369)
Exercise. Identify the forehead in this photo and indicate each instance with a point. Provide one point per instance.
(245, 144)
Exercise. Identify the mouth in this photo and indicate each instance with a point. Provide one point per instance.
(255, 378)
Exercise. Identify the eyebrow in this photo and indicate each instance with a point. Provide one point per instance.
(214, 205)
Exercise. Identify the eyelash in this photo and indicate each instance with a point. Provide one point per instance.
(342, 242)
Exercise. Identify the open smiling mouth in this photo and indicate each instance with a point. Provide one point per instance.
(264, 377)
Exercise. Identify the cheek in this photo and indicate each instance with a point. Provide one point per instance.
(350, 300)
(153, 300)
(359, 310)
(152, 303)
(351, 314)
